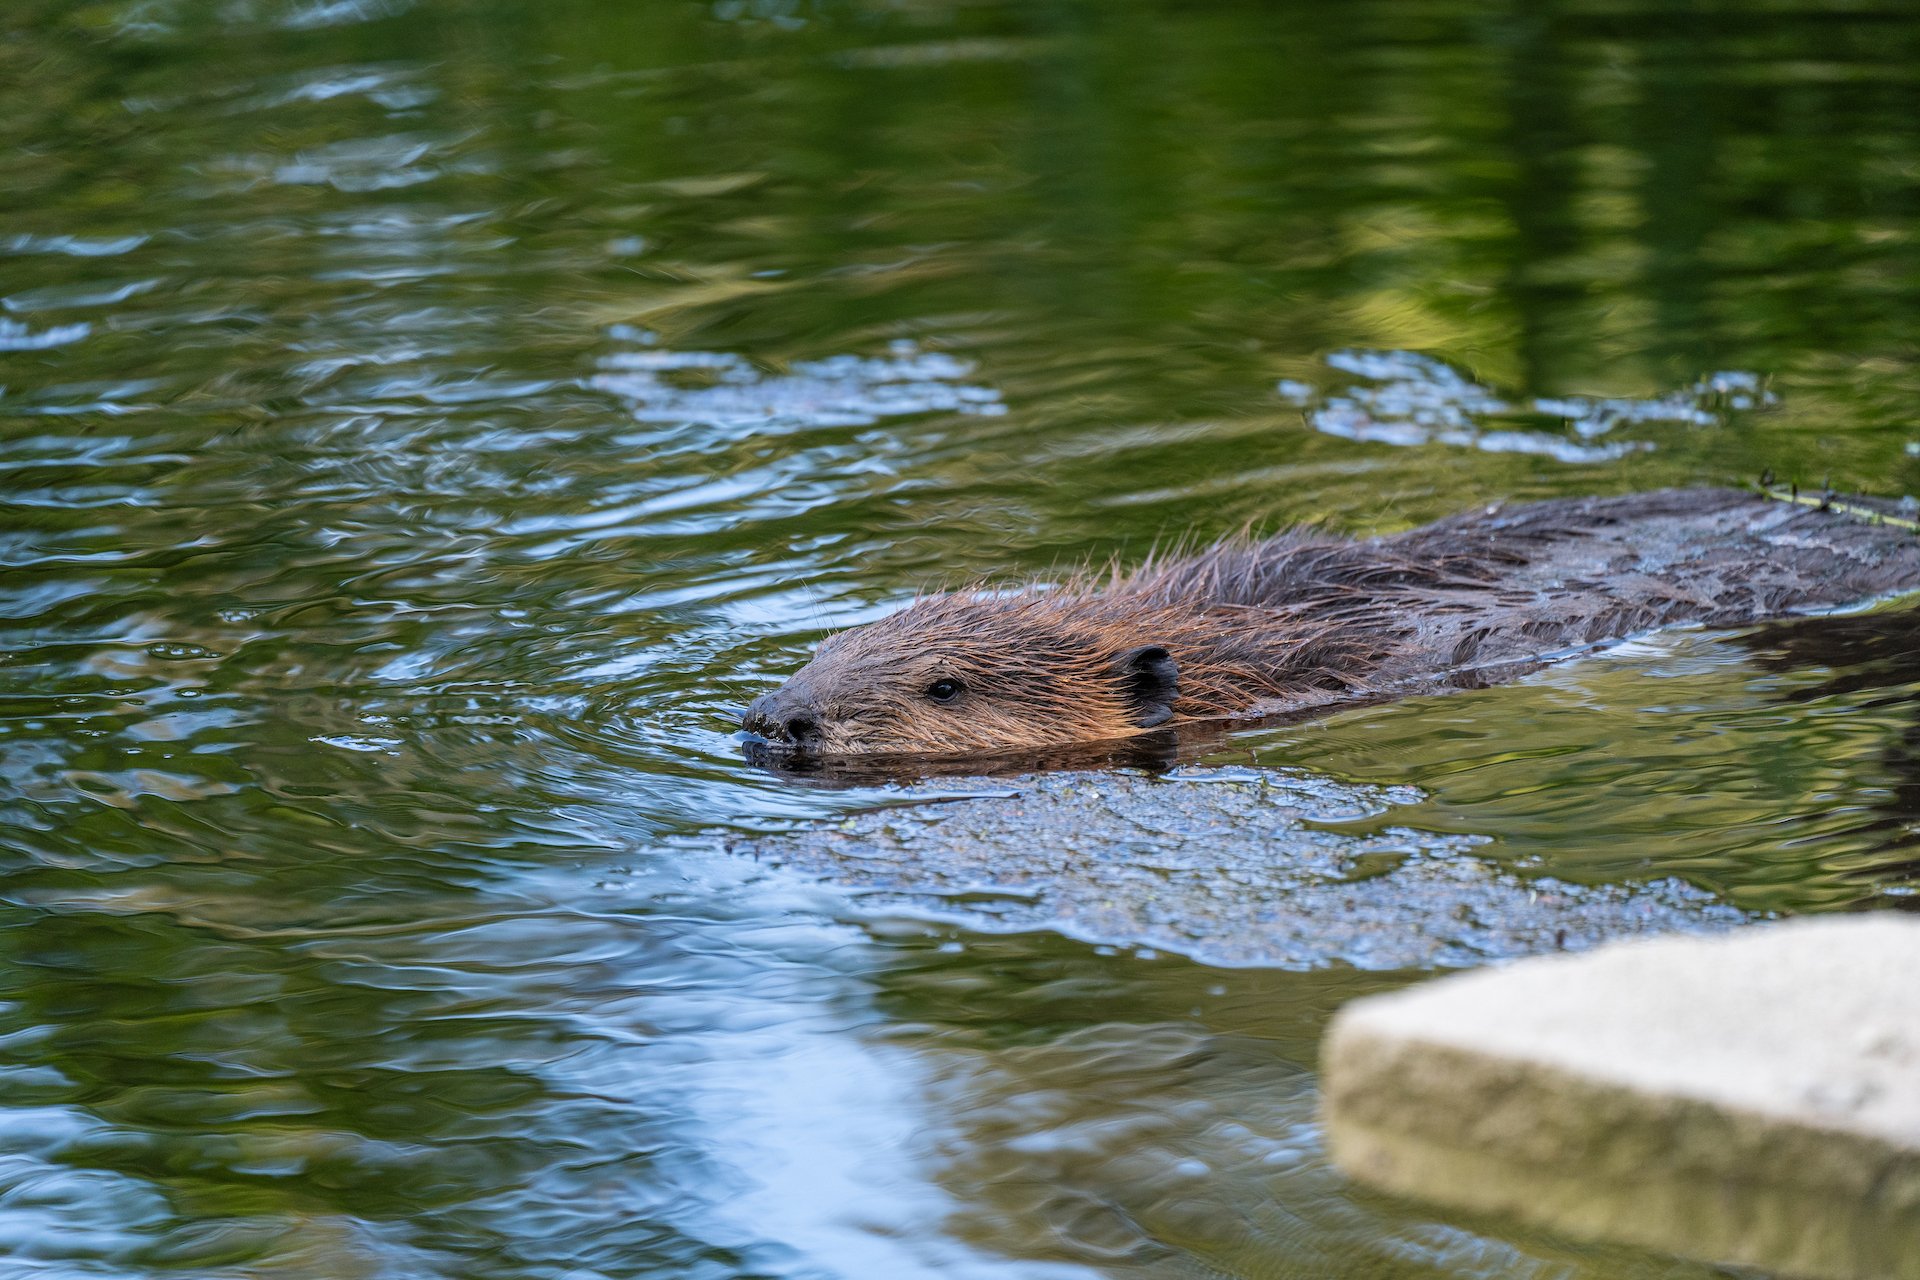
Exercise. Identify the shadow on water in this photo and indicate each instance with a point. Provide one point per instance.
(423, 423)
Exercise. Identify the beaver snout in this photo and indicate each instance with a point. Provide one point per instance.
(781, 717)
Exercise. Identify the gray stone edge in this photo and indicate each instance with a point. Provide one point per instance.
(1601, 1161)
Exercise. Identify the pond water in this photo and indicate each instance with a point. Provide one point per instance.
(424, 423)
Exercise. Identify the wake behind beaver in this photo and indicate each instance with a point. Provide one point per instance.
(1303, 620)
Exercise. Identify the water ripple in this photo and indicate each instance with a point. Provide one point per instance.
(1407, 399)
(15, 336)
(723, 390)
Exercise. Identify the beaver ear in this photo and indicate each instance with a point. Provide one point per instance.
(1150, 680)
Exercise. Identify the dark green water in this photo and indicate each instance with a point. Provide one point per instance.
(425, 423)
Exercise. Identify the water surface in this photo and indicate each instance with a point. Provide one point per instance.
(424, 425)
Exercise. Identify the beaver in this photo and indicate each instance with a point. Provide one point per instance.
(1257, 628)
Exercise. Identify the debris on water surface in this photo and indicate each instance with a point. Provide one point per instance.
(1227, 866)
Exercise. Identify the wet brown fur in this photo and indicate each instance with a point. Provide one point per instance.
(1301, 620)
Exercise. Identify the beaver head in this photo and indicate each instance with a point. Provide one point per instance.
(973, 673)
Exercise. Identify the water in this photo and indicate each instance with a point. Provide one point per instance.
(425, 424)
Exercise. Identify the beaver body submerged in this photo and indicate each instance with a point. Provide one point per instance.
(1304, 620)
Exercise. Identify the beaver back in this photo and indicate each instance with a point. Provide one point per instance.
(1529, 582)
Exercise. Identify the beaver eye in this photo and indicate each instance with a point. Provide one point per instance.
(944, 690)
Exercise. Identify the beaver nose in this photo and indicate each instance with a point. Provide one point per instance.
(803, 731)
(777, 718)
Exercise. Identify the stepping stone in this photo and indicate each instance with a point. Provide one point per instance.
(1748, 1098)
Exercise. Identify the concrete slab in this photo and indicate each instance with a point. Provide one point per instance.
(1749, 1098)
